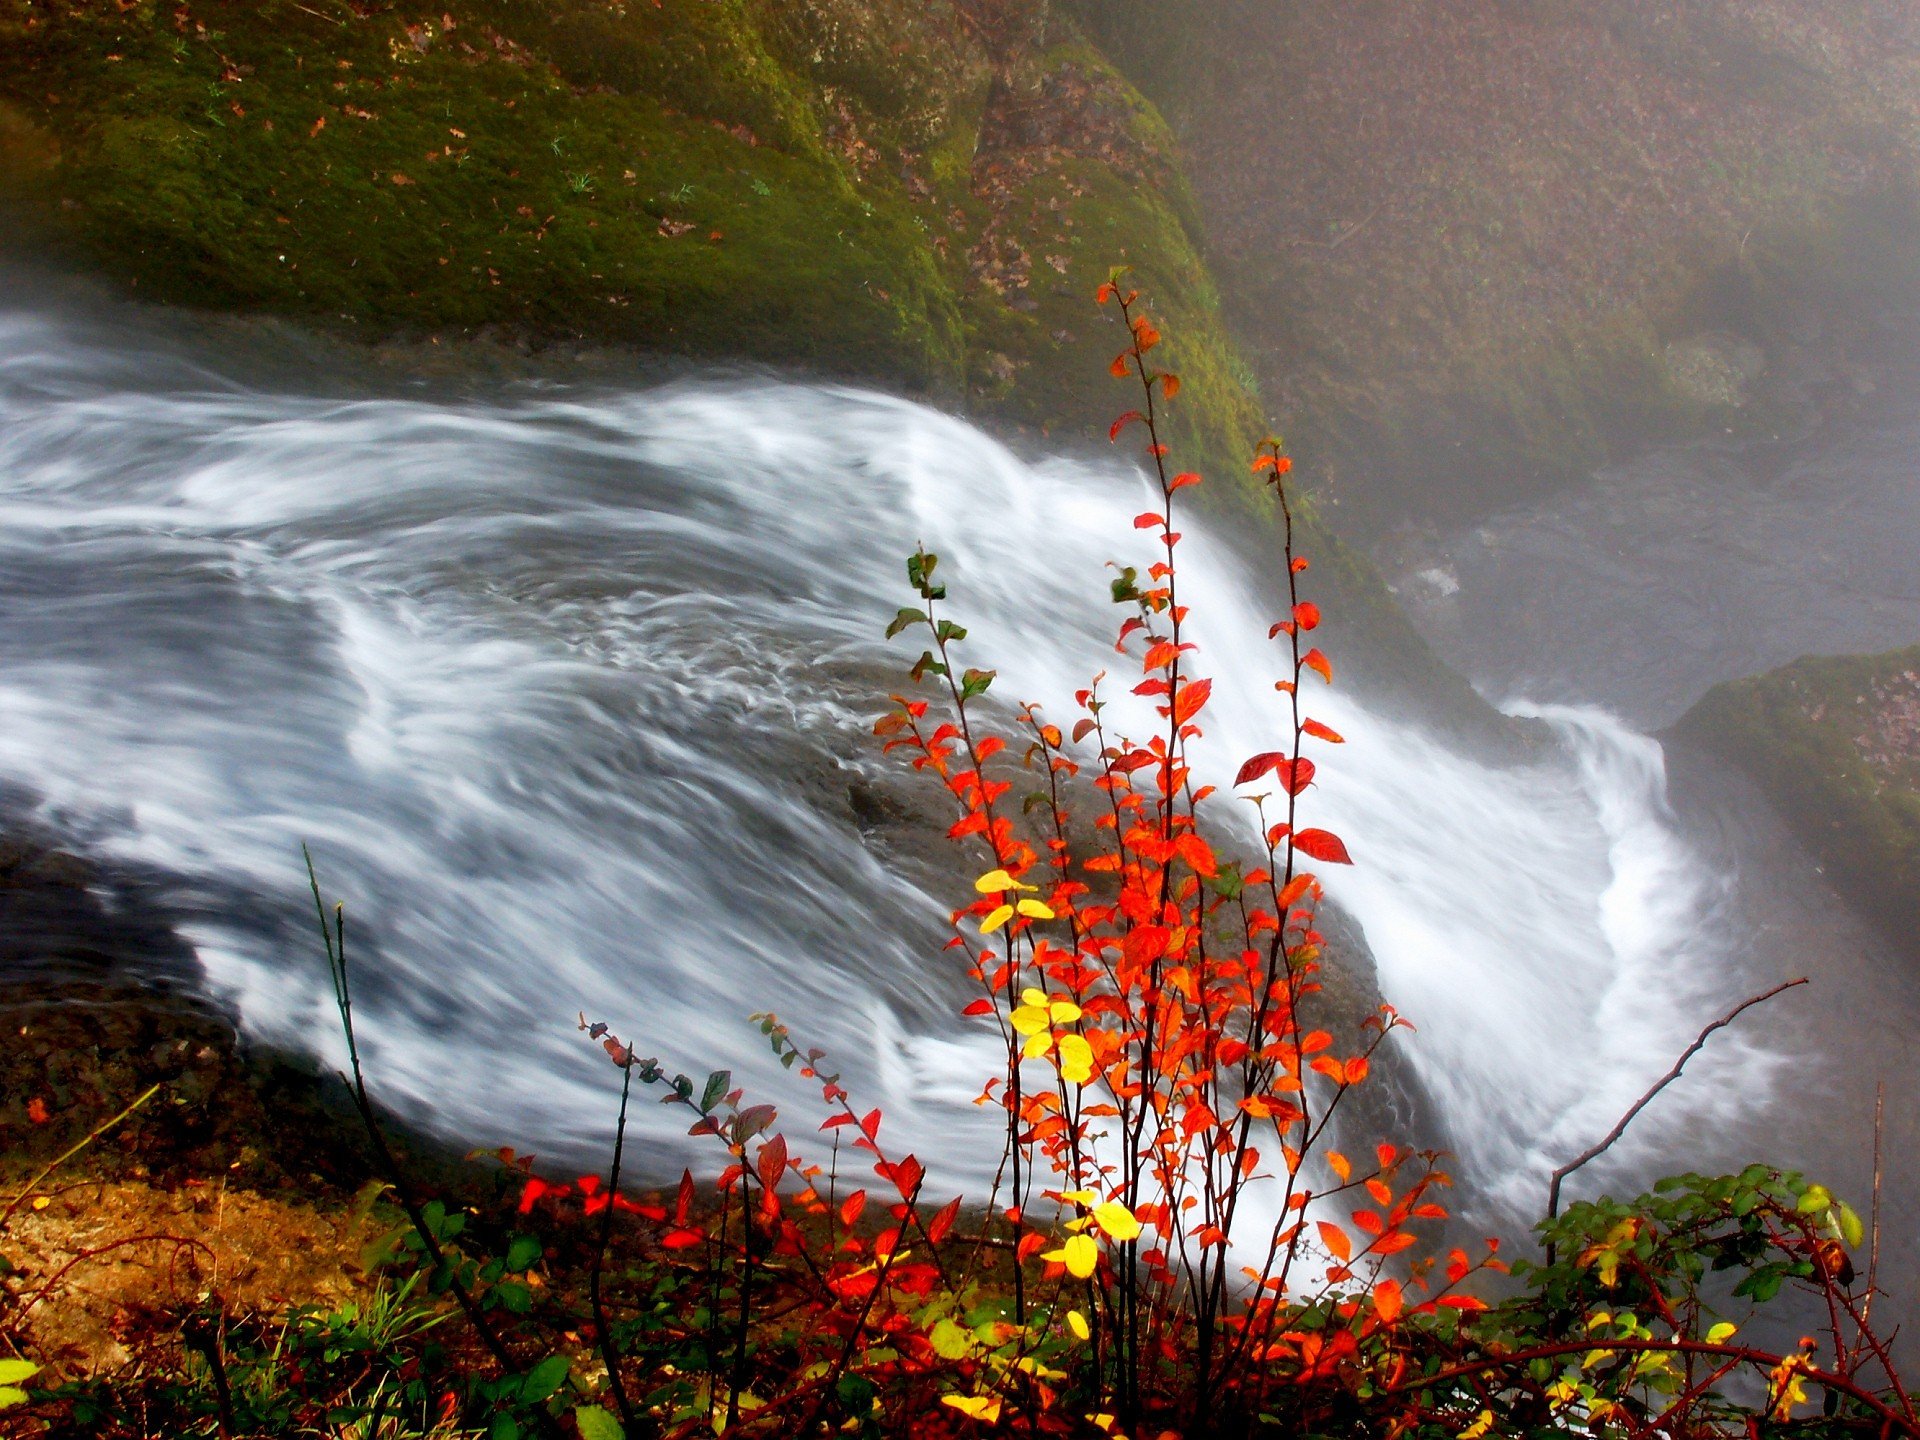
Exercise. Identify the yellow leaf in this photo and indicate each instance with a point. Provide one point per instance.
(1479, 1427)
(1076, 1060)
(1063, 1012)
(1116, 1220)
(1077, 1323)
(1079, 1254)
(1721, 1333)
(998, 918)
(1036, 998)
(995, 882)
(1034, 910)
(984, 1408)
(1037, 1045)
(1030, 1019)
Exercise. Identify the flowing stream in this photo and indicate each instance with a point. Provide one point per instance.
(567, 688)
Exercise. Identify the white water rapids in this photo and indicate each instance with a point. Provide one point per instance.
(565, 687)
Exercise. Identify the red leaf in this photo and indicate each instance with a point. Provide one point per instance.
(978, 1007)
(1081, 730)
(851, 1207)
(1258, 766)
(1294, 889)
(1183, 480)
(870, 1123)
(1147, 519)
(1113, 433)
(1121, 362)
(1306, 615)
(1146, 944)
(1193, 695)
(1322, 845)
(1321, 732)
(1314, 660)
(773, 1162)
(1296, 775)
(941, 1223)
(679, 1239)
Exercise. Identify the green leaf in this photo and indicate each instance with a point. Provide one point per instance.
(523, 1253)
(718, 1084)
(593, 1423)
(545, 1378)
(927, 665)
(951, 1341)
(504, 1427)
(1851, 1230)
(951, 633)
(976, 682)
(512, 1296)
(907, 616)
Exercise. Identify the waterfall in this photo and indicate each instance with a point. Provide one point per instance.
(566, 686)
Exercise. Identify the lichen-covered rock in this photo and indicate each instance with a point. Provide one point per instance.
(1835, 741)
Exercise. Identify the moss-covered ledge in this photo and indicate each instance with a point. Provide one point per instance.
(1835, 742)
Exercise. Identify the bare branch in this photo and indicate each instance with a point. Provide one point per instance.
(1553, 1190)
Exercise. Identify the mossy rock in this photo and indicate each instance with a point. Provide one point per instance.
(1835, 743)
(373, 172)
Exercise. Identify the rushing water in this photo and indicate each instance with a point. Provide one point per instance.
(566, 688)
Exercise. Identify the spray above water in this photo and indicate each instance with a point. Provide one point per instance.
(567, 691)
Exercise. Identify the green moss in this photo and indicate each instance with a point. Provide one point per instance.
(1799, 733)
(277, 163)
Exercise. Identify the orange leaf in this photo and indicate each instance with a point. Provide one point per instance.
(1113, 431)
(1170, 385)
(1322, 845)
(1182, 480)
(1197, 853)
(1387, 1301)
(1306, 615)
(1295, 888)
(1335, 1239)
(1321, 732)
(1120, 364)
(1193, 695)
(1314, 660)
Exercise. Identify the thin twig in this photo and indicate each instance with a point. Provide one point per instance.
(1553, 1190)
(1873, 1245)
(609, 1351)
(71, 1151)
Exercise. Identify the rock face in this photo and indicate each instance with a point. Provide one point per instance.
(1459, 237)
(1835, 742)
